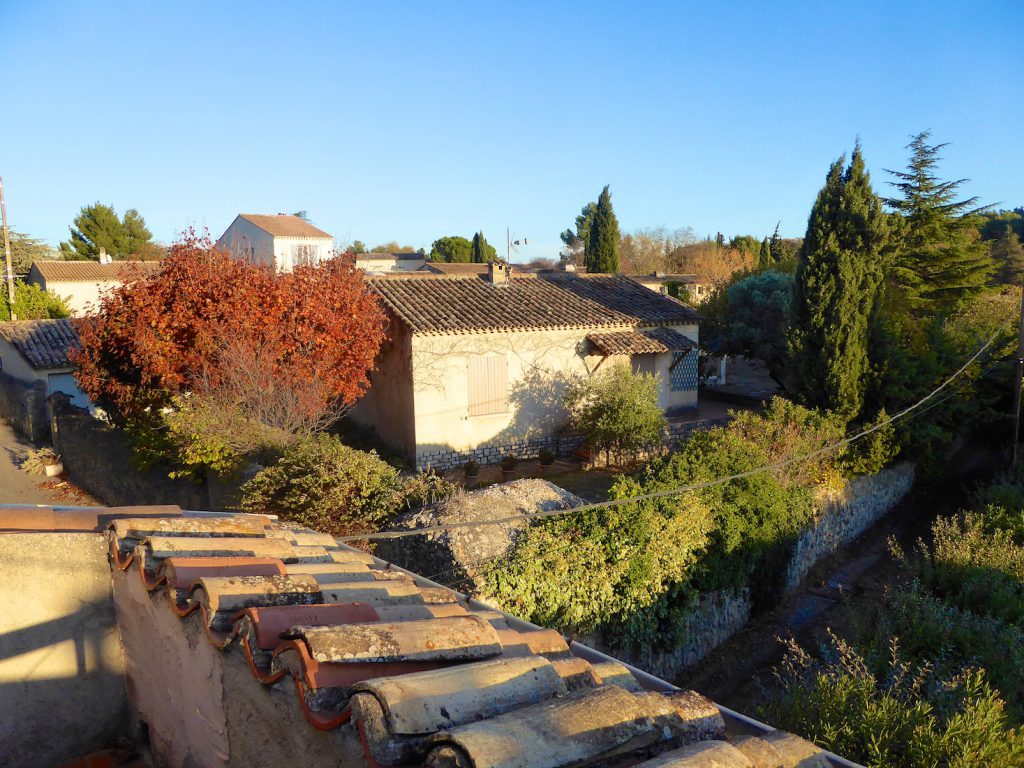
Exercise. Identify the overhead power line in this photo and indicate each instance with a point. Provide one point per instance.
(405, 532)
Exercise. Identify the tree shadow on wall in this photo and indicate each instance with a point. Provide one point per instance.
(537, 402)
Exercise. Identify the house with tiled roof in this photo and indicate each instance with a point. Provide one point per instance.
(475, 365)
(36, 352)
(81, 283)
(384, 263)
(156, 637)
(279, 241)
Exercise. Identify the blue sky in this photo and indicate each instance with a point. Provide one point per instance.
(395, 121)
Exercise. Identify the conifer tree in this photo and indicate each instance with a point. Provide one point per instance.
(602, 254)
(764, 257)
(939, 259)
(838, 281)
(483, 251)
(1009, 257)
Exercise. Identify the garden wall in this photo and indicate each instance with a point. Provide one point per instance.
(23, 406)
(717, 616)
(98, 458)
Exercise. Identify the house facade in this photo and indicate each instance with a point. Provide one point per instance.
(81, 283)
(698, 288)
(37, 351)
(476, 367)
(278, 241)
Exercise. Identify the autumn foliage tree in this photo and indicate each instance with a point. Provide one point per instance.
(213, 358)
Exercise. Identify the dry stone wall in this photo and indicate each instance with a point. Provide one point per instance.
(23, 406)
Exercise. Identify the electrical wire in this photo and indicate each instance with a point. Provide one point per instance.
(398, 534)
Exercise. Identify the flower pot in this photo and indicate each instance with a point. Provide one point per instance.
(507, 474)
(53, 470)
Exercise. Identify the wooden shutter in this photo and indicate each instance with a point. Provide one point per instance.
(488, 385)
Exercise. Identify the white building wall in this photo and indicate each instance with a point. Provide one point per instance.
(244, 240)
(285, 250)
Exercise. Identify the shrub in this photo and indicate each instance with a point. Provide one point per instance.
(974, 567)
(546, 457)
(618, 411)
(471, 468)
(425, 488)
(508, 463)
(893, 714)
(323, 484)
(32, 303)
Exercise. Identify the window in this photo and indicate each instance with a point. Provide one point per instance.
(488, 385)
(306, 254)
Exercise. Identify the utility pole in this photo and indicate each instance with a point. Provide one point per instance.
(7, 254)
(1017, 377)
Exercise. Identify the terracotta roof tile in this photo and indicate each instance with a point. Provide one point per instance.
(93, 271)
(45, 344)
(446, 304)
(284, 225)
(422, 682)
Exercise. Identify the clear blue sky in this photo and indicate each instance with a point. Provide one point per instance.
(411, 121)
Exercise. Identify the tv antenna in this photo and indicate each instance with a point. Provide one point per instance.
(512, 245)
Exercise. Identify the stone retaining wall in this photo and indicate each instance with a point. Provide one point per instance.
(23, 406)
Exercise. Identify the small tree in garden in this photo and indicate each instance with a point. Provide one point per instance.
(213, 357)
(618, 411)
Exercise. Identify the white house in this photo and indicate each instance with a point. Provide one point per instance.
(475, 365)
(37, 350)
(278, 241)
(81, 283)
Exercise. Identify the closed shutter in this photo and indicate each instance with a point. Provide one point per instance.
(684, 370)
(488, 385)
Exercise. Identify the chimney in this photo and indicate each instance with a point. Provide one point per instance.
(104, 258)
(497, 273)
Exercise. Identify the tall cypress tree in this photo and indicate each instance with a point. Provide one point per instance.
(483, 251)
(939, 259)
(602, 254)
(839, 277)
(1009, 257)
(764, 257)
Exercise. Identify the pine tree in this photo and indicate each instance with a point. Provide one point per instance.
(839, 277)
(776, 249)
(1009, 257)
(602, 254)
(97, 226)
(939, 259)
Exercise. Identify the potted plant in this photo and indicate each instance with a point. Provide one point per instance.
(471, 468)
(43, 461)
(508, 466)
(545, 459)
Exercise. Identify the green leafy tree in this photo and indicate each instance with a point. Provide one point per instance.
(838, 280)
(32, 303)
(392, 246)
(483, 251)
(98, 226)
(939, 259)
(358, 246)
(1008, 256)
(618, 411)
(758, 310)
(453, 249)
(602, 249)
(576, 240)
(25, 250)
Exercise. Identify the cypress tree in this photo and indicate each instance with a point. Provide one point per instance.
(1009, 257)
(478, 248)
(602, 254)
(939, 258)
(764, 257)
(838, 280)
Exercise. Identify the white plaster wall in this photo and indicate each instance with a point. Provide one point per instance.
(383, 266)
(283, 250)
(83, 298)
(13, 364)
(242, 236)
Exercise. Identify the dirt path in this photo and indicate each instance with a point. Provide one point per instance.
(864, 570)
(18, 487)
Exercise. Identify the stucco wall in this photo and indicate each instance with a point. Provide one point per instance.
(61, 666)
(283, 250)
(23, 406)
(82, 297)
(202, 706)
(243, 237)
(13, 364)
(540, 366)
(387, 407)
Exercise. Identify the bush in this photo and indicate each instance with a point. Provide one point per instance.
(32, 303)
(546, 457)
(471, 468)
(893, 714)
(508, 463)
(323, 484)
(618, 411)
(425, 488)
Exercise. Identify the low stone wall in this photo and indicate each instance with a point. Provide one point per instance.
(23, 406)
(98, 458)
(564, 444)
(715, 618)
(846, 514)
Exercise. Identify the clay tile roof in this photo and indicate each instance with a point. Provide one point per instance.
(444, 268)
(93, 271)
(421, 674)
(43, 343)
(448, 304)
(284, 225)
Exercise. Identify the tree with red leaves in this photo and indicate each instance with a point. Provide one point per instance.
(212, 356)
